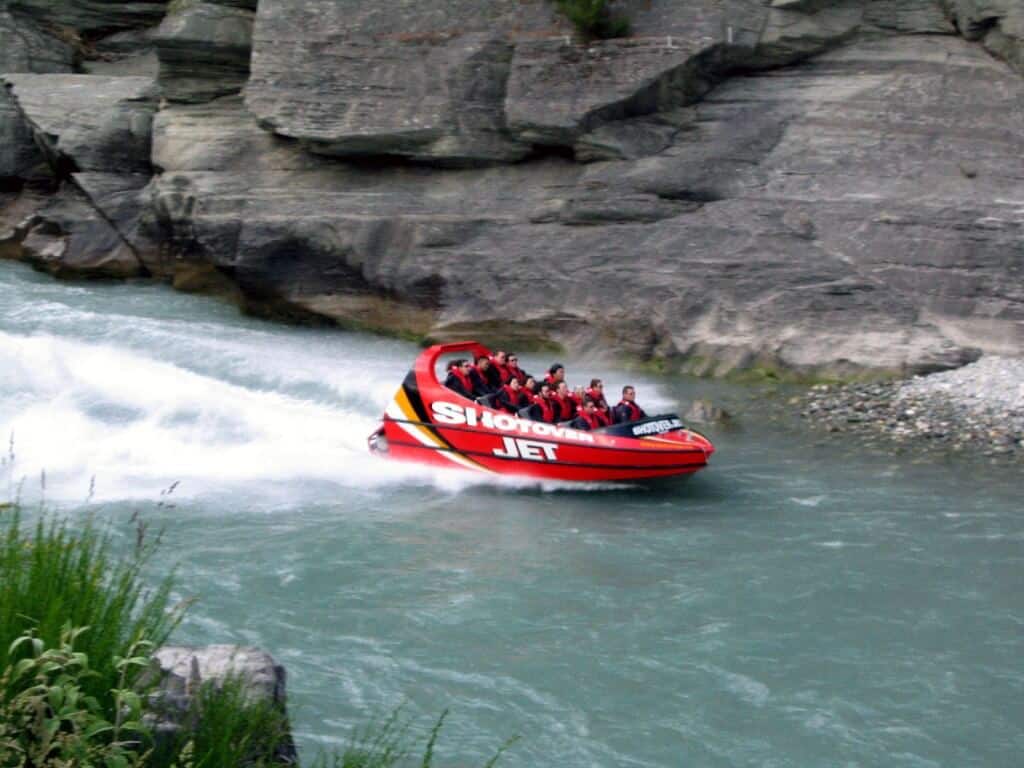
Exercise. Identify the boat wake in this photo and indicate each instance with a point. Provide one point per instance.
(269, 422)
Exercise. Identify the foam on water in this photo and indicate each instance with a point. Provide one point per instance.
(257, 415)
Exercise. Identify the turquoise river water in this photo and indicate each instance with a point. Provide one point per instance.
(800, 603)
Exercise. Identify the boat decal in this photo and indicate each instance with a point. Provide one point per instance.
(454, 414)
(403, 411)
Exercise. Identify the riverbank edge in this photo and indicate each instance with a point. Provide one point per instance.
(954, 413)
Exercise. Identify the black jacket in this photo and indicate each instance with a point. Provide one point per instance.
(454, 383)
(504, 402)
(480, 385)
(624, 413)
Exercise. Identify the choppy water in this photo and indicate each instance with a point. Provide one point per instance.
(798, 604)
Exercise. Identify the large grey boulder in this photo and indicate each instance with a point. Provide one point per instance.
(204, 50)
(184, 670)
(87, 122)
(69, 237)
(93, 16)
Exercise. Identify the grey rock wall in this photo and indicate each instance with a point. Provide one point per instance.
(826, 186)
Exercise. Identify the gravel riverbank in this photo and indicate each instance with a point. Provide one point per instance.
(977, 408)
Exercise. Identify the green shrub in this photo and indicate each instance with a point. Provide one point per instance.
(594, 19)
(48, 720)
(53, 577)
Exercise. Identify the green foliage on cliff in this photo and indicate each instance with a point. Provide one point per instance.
(594, 19)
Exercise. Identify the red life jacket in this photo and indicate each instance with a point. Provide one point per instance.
(464, 380)
(514, 371)
(603, 417)
(576, 400)
(546, 411)
(566, 408)
(515, 397)
(591, 418)
(634, 410)
(596, 396)
(550, 379)
(503, 371)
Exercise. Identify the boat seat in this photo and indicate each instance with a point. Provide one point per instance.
(487, 400)
(524, 413)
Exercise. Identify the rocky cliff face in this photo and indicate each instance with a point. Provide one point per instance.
(823, 187)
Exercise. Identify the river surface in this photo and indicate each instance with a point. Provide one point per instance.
(800, 603)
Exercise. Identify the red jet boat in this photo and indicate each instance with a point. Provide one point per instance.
(428, 423)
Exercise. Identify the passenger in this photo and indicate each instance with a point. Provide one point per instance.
(627, 409)
(543, 408)
(530, 387)
(604, 415)
(578, 396)
(586, 420)
(556, 373)
(565, 408)
(514, 370)
(596, 393)
(478, 377)
(498, 374)
(511, 397)
(458, 380)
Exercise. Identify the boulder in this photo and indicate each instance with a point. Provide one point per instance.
(184, 670)
(93, 16)
(68, 237)
(703, 411)
(88, 123)
(204, 50)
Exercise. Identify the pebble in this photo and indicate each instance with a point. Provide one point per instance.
(979, 408)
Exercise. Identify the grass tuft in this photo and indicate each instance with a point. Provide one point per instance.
(54, 577)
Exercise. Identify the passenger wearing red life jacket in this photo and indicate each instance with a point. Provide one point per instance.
(458, 380)
(530, 387)
(577, 396)
(478, 377)
(511, 397)
(565, 408)
(498, 373)
(556, 373)
(587, 419)
(596, 393)
(542, 408)
(512, 365)
(603, 414)
(627, 409)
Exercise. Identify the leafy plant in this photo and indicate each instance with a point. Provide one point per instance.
(47, 718)
(594, 19)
